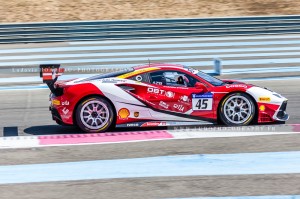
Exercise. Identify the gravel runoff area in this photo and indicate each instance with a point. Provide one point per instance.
(69, 10)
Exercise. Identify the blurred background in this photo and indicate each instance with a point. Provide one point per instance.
(70, 10)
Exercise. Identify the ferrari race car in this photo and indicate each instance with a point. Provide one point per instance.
(158, 95)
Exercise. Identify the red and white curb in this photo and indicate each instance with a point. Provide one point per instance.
(81, 139)
(122, 137)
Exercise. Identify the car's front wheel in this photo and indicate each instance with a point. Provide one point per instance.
(237, 109)
(94, 115)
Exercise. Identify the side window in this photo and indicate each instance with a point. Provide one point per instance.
(158, 78)
(191, 80)
(172, 78)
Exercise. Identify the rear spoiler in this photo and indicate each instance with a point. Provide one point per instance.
(50, 73)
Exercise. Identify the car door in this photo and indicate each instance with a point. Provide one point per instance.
(167, 93)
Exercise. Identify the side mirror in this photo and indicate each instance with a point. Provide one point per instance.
(201, 86)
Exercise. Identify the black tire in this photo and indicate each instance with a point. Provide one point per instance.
(92, 121)
(237, 109)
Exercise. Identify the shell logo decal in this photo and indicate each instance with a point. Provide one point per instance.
(262, 108)
(123, 113)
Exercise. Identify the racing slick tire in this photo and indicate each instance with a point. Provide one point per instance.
(94, 115)
(237, 109)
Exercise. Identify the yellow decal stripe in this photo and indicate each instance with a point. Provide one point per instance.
(136, 72)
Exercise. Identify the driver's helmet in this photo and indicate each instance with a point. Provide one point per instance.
(182, 79)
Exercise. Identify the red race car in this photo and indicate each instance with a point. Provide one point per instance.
(158, 95)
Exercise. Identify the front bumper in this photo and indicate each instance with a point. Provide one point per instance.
(280, 114)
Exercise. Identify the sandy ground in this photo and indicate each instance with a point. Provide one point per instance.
(69, 10)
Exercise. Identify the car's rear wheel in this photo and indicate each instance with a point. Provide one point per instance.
(237, 109)
(94, 115)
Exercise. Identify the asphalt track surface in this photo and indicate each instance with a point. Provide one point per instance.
(27, 111)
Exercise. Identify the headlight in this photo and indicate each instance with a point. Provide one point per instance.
(277, 95)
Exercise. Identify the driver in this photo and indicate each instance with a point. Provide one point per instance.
(182, 80)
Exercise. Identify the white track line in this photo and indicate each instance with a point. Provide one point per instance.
(33, 141)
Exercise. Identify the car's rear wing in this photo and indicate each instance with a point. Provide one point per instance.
(50, 73)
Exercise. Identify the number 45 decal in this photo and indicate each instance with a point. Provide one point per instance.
(202, 103)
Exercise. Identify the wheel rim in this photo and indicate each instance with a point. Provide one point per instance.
(237, 109)
(94, 114)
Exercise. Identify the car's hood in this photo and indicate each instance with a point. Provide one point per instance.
(231, 81)
(265, 95)
(264, 90)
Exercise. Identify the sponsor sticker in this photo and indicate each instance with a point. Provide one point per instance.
(178, 88)
(158, 83)
(65, 111)
(264, 99)
(56, 102)
(112, 80)
(136, 114)
(65, 114)
(163, 104)
(170, 94)
(191, 70)
(184, 99)
(65, 103)
(138, 78)
(178, 107)
(151, 124)
(123, 113)
(202, 101)
(161, 92)
(202, 95)
(236, 86)
(133, 125)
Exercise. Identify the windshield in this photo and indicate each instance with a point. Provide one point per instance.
(214, 81)
(109, 75)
